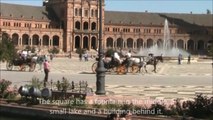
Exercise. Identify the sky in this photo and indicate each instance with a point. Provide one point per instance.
(159, 6)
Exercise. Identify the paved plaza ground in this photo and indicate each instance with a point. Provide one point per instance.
(170, 82)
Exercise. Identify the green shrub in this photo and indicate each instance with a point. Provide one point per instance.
(4, 84)
(201, 107)
(36, 83)
(28, 48)
(5, 91)
(80, 51)
(65, 84)
(7, 49)
(54, 50)
(77, 102)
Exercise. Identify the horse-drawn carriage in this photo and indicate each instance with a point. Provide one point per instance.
(22, 63)
(114, 65)
(131, 65)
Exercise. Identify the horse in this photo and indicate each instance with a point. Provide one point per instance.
(22, 63)
(154, 61)
(139, 62)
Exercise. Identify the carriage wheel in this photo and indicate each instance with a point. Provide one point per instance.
(134, 69)
(121, 69)
(9, 65)
(94, 67)
(32, 66)
(114, 69)
(23, 67)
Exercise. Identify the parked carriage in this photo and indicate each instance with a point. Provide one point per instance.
(23, 64)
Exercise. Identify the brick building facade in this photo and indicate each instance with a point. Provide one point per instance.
(72, 24)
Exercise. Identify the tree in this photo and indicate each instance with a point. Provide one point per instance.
(7, 48)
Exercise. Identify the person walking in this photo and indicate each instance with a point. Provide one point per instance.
(189, 59)
(86, 56)
(46, 71)
(128, 56)
(51, 57)
(80, 56)
(40, 61)
(179, 59)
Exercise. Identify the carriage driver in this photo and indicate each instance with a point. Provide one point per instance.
(24, 55)
(117, 57)
(128, 56)
(150, 57)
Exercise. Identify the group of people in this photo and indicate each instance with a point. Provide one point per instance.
(24, 54)
(41, 59)
(180, 57)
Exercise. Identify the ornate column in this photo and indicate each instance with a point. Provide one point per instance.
(186, 45)
(49, 44)
(89, 40)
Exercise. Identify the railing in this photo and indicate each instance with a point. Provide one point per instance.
(32, 29)
(86, 31)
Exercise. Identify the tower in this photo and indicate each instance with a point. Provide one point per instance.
(79, 20)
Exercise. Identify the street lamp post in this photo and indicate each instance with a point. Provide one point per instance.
(1, 35)
(100, 72)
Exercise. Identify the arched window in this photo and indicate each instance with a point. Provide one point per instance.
(171, 43)
(180, 44)
(86, 42)
(120, 43)
(45, 40)
(149, 43)
(25, 39)
(86, 26)
(35, 39)
(94, 46)
(129, 43)
(190, 45)
(77, 25)
(80, 12)
(15, 38)
(200, 45)
(77, 42)
(160, 43)
(109, 42)
(139, 43)
(93, 26)
(55, 40)
(76, 11)
(92, 13)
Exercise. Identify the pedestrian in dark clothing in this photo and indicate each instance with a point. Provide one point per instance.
(80, 56)
(189, 59)
(179, 59)
(51, 57)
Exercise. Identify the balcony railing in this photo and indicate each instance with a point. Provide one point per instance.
(32, 29)
(86, 31)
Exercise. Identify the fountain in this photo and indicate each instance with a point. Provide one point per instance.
(166, 49)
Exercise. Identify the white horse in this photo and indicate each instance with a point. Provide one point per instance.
(138, 61)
